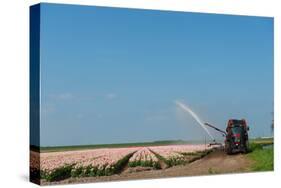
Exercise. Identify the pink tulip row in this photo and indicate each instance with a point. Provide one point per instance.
(108, 160)
(143, 154)
(144, 157)
(174, 151)
(95, 157)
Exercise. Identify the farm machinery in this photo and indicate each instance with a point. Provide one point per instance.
(236, 136)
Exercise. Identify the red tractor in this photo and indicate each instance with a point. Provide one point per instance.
(236, 136)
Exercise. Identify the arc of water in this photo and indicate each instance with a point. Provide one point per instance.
(194, 115)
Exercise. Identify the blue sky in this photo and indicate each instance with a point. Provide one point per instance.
(112, 75)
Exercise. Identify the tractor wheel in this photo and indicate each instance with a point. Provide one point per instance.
(228, 148)
(244, 150)
(246, 147)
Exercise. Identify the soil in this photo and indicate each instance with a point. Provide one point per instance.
(217, 162)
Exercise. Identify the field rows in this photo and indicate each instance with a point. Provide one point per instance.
(144, 157)
(103, 162)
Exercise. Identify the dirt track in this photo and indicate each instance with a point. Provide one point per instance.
(216, 162)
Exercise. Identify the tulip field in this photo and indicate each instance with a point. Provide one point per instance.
(55, 166)
(144, 157)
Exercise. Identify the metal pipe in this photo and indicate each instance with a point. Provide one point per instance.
(217, 129)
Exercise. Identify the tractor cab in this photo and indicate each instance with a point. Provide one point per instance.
(236, 131)
(237, 136)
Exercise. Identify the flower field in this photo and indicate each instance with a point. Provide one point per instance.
(175, 154)
(98, 162)
(144, 157)
(110, 162)
(55, 166)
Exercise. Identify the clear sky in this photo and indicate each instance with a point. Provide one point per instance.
(112, 75)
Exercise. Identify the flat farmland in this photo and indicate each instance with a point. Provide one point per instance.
(97, 164)
(61, 165)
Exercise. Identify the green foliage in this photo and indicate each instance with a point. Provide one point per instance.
(262, 158)
(58, 174)
(146, 163)
(109, 171)
(197, 153)
(156, 165)
(88, 171)
(188, 158)
(119, 165)
(173, 161)
(76, 172)
(262, 141)
(254, 146)
(93, 172)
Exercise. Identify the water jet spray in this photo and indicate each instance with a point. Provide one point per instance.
(195, 116)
